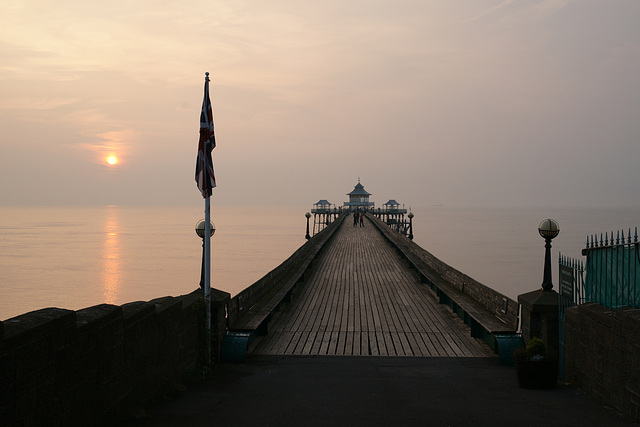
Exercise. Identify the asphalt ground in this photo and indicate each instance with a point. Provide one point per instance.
(373, 391)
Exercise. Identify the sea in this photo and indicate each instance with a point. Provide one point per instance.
(74, 257)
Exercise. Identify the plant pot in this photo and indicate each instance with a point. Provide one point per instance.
(538, 374)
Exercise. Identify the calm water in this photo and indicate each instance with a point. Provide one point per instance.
(75, 257)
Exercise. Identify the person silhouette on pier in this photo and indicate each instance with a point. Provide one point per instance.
(361, 220)
(355, 218)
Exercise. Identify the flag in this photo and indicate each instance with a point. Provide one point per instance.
(205, 178)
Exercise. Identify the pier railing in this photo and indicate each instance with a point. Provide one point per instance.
(327, 210)
(491, 315)
(298, 261)
(394, 217)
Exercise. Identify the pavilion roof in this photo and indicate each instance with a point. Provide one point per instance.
(359, 191)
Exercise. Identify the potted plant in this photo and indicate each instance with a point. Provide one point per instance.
(536, 368)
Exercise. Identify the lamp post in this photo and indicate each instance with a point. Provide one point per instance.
(307, 215)
(410, 225)
(200, 232)
(548, 229)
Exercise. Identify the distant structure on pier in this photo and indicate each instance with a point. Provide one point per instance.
(393, 215)
(359, 198)
(324, 212)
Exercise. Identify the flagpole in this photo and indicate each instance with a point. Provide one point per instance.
(206, 182)
(207, 271)
(207, 246)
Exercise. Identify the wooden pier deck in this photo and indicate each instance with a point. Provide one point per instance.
(361, 298)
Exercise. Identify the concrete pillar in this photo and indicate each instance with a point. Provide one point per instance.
(540, 318)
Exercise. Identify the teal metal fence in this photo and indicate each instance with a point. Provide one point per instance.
(613, 270)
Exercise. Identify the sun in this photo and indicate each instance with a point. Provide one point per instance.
(112, 160)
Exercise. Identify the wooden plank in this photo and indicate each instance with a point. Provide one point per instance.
(404, 342)
(295, 342)
(349, 348)
(280, 345)
(315, 348)
(324, 343)
(385, 344)
(438, 349)
(418, 345)
(372, 343)
(333, 343)
(308, 345)
(342, 344)
(361, 343)
(301, 341)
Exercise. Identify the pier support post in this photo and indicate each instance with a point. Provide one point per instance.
(410, 225)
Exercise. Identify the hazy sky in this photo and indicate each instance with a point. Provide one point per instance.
(455, 102)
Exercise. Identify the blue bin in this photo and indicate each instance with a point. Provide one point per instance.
(506, 344)
(235, 346)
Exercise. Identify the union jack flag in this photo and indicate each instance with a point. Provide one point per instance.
(205, 178)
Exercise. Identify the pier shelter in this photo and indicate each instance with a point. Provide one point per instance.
(359, 198)
(323, 214)
(394, 216)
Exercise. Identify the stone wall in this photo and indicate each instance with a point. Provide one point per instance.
(603, 355)
(100, 365)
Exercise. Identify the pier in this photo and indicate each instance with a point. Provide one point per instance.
(367, 290)
(361, 298)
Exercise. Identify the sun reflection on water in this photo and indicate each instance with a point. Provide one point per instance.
(111, 270)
